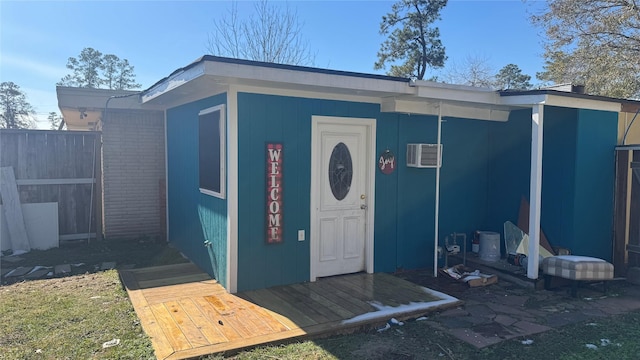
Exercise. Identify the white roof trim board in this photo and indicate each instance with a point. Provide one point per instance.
(212, 75)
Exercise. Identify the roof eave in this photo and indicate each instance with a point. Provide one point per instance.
(213, 75)
(561, 100)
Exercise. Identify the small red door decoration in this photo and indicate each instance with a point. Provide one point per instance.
(387, 162)
(274, 193)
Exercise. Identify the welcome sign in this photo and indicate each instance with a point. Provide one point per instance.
(274, 193)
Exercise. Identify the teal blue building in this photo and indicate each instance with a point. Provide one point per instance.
(283, 174)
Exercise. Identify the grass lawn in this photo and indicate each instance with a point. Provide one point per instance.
(71, 318)
(417, 340)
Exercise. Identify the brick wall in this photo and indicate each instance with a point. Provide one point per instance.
(133, 169)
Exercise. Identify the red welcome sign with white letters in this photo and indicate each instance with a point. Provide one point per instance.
(274, 193)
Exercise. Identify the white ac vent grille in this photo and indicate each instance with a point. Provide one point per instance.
(424, 155)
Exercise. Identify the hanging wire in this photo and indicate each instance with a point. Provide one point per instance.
(626, 132)
(95, 128)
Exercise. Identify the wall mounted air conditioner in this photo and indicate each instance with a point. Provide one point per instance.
(424, 155)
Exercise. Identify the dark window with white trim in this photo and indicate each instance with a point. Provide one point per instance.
(211, 154)
(340, 171)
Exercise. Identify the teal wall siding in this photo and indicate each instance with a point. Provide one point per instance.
(385, 254)
(577, 176)
(405, 200)
(485, 173)
(464, 178)
(268, 118)
(415, 202)
(595, 176)
(194, 217)
(558, 175)
(509, 169)
(463, 187)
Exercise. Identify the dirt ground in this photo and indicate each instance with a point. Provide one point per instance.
(83, 257)
(492, 323)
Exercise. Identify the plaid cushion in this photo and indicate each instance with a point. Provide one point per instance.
(577, 267)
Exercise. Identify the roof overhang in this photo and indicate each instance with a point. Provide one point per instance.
(560, 99)
(459, 101)
(212, 75)
(446, 108)
(82, 108)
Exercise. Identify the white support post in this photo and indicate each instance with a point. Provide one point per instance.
(535, 190)
(232, 189)
(437, 217)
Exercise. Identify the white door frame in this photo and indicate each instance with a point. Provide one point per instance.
(370, 185)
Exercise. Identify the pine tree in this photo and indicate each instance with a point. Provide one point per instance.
(15, 110)
(412, 38)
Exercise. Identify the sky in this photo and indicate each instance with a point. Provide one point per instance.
(158, 37)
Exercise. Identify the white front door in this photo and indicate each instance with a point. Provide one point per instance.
(340, 194)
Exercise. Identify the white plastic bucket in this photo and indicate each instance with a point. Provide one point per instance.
(489, 246)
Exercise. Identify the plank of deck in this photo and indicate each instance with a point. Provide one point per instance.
(189, 329)
(413, 290)
(153, 329)
(204, 324)
(155, 272)
(306, 302)
(359, 306)
(244, 343)
(302, 305)
(285, 321)
(360, 293)
(268, 300)
(200, 317)
(173, 292)
(252, 318)
(169, 327)
(380, 291)
(324, 299)
(276, 322)
(182, 279)
(160, 343)
(215, 317)
(229, 316)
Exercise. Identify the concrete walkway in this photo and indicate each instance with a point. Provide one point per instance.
(505, 311)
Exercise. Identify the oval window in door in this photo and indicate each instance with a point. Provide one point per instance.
(340, 171)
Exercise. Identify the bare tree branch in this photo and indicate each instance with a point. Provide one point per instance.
(596, 42)
(272, 34)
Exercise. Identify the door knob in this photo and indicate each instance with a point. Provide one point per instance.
(363, 207)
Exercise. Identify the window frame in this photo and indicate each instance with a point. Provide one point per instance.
(221, 124)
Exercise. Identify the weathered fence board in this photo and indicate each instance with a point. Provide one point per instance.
(634, 210)
(13, 210)
(621, 211)
(57, 166)
(626, 247)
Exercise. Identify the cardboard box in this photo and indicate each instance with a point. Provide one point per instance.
(480, 280)
(472, 278)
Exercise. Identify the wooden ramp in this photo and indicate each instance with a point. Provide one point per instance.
(188, 314)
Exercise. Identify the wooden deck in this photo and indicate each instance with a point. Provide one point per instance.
(188, 314)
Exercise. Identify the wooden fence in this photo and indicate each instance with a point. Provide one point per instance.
(626, 251)
(62, 167)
